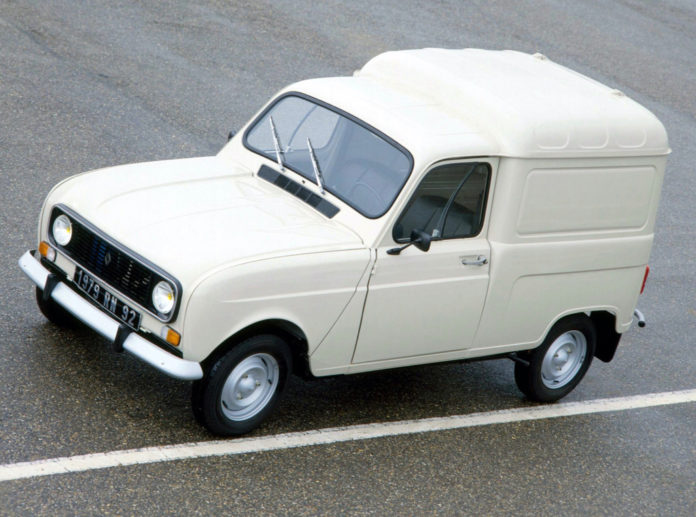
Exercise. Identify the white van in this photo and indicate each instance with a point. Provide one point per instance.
(439, 205)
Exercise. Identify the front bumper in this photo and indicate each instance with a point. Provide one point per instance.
(98, 320)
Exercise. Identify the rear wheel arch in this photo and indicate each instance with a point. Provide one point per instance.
(552, 370)
(607, 337)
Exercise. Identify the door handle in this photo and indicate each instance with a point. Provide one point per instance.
(474, 260)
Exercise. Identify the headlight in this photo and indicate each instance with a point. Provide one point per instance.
(163, 297)
(62, 230)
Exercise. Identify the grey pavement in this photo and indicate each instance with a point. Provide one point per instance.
(88, 85)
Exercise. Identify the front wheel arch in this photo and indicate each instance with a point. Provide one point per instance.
(283, 329)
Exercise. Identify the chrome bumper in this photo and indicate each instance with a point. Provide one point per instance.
(108, 327)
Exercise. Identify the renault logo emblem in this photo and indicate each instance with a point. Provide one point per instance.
(107, 258)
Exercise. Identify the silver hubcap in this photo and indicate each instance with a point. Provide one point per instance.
(249, 387)
(563, 359)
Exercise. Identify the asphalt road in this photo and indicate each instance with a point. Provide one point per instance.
(84, 87)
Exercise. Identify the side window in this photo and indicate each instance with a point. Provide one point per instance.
(449, 203)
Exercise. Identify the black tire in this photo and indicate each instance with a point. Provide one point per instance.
(55, 313)
(560, 362)
(242, 387)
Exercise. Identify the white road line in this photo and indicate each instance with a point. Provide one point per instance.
(47, 467)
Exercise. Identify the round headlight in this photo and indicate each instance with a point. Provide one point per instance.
(163, 297)
(62, 230)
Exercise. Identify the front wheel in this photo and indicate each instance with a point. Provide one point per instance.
(243, 386)
(560, 362)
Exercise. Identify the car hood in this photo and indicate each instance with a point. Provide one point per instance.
(194, 215)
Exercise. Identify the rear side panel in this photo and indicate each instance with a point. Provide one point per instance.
(567, 236)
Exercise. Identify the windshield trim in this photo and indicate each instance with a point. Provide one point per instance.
(342, 113)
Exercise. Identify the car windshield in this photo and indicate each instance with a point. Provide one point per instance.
(359, 165)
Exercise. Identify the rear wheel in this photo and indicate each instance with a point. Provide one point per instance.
(55, 313)
(560, 362)
(243, 386)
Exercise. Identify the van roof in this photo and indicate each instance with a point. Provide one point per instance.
(501, 102)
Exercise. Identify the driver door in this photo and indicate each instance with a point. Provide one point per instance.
(422, 303)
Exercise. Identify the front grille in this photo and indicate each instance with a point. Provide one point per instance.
(111, 263)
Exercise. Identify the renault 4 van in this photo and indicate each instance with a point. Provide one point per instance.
(438, 205)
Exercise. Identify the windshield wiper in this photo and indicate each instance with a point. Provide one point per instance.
(315, 166)
(276, 144)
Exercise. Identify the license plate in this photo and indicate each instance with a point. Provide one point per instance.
(107, 300)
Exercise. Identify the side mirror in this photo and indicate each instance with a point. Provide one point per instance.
(230, 135)
(419, 239)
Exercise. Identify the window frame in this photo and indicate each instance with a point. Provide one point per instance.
(484, 205)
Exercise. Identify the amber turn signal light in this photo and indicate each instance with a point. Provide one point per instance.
(171, 336)
(46, 251)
